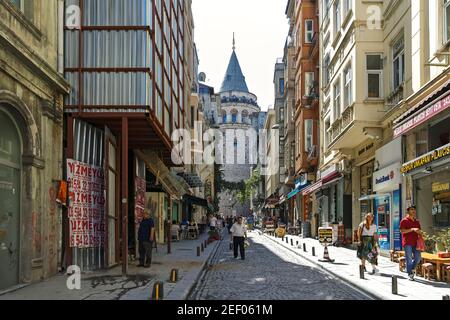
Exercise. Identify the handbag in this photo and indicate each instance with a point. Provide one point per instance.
(420, 245)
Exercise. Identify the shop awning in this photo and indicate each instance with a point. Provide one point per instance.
(374, 196)
(192, 179)
(195, 200)
(167, 178)
(297, 190)
(324, 185)
(312, 188)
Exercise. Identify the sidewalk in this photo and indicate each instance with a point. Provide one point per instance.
(346, 267)
(138, 285)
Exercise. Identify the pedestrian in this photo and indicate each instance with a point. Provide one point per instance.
(238, 236)
(146, 236)
(368, 242)
(411, 230)
(213, 223)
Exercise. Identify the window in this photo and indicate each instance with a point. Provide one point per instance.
(281, 86)
(327, 132)
(192, 117)
(337, 99)
(447, 20)
(374, 66)
(326, 70)
(347, 6)
(308, 135)
(309, 83)
(26, 6)
(348, 95)
(337, 16)
(234, 116)
(309, 31)
(326, 9)
(399, 62)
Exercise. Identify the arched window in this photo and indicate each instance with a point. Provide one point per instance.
(245, 116)
(234, 114)
(224, 116)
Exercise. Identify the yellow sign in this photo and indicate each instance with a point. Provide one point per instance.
(438, 187)
(326, 235)
(426, 159)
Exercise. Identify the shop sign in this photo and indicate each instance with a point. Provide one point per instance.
(423, 116)
(326, 235)
(329, 171)
(426, 159)
(86, 205)
(439, 187)
(139, 200)
(387, 178)
(302, 181)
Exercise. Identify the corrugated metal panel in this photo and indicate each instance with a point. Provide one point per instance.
(88, 148)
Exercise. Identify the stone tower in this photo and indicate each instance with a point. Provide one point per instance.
(239, 110)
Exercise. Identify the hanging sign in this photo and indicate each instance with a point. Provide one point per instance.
(86, 205)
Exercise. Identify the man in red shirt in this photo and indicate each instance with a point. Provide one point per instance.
(410, 229)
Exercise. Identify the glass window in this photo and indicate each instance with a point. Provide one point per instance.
(337, 99)
(421, 142)
(9, 140)
(347, 6)
(234, 116)
(308, 135)
(309, 83)
(348, 94)
(399, 62)
(309, 31)
(281, 86)
(447, 20)
(26, 6)
(337, 16)
(326, 70)
(374, 67)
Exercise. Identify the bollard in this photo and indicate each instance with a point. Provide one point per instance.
(394, 285)
(446, 297)
(292, 242)
(313, 251)
(361, 272)
(158, 291)
(198, 251)
(174, 275)
(287, 240)
(297, 244)
(206, 243)
(202, 247)
(304, 247)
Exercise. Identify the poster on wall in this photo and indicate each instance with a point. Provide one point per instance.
(139, 199)
(86, 212)
(396, 220)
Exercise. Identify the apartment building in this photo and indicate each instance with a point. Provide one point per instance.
(32, 90)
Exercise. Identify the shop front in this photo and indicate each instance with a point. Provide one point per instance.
(426, 134)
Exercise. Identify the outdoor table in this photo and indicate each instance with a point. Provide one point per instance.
(432, 258)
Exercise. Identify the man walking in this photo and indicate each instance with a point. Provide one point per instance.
(146, 236)
(410, 229)
(238, 236)
(213, 223)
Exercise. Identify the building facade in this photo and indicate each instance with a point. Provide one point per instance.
(32, 88)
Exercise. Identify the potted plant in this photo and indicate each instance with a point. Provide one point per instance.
(438, 243)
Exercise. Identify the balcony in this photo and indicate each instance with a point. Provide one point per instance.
(395, 97)
(341, 124)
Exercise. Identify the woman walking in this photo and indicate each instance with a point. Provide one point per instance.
(368, 237)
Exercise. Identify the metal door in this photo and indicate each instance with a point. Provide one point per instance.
(10, 164)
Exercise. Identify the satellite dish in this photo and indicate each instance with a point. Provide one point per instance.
(202, 77)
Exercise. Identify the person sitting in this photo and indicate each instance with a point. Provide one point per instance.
(176, 230)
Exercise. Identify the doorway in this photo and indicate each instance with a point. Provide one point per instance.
(10, 172)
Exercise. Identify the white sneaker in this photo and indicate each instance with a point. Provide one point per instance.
(374, 270)
(411, 277)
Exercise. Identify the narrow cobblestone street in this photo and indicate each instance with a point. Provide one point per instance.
(270, 272)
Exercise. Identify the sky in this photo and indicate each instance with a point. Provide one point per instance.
(260, 28)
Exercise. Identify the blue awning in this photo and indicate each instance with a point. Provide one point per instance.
(297, 190)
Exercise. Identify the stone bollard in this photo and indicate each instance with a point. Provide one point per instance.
(446, 297)
(158, 291)
(297, 244)
(304, 247)
(313, 251)
(394, 285)
(202, 247)
(292, 242)
(198, 251)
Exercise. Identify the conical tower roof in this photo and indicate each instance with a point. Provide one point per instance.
(234, 78)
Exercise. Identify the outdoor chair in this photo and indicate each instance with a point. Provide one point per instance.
(428, 271)
(446, 272)
(402, 264)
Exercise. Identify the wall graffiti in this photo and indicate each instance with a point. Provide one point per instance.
(52, 229)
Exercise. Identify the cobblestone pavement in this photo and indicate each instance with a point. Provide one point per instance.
(270, 272)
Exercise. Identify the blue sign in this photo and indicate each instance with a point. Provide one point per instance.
(397, 210)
